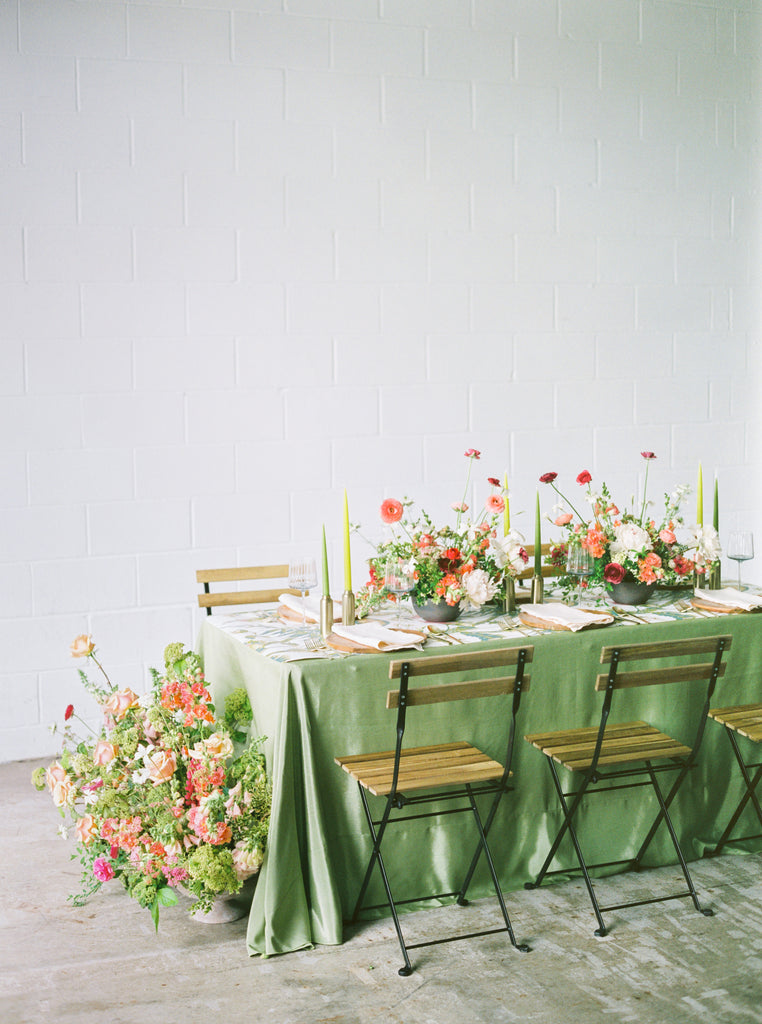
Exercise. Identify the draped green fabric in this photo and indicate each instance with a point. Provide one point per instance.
(313, 711)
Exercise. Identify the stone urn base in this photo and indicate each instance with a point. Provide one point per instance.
(631, 591)
(441, 612)
(229, 906)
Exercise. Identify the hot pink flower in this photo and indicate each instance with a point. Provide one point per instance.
(102, 869)
(391, 510)
(548, 478)
(495, 503)
(584, 477)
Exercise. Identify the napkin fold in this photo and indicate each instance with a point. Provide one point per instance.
(311, 607)
(563, 615)
(373, 634)
(729, 597)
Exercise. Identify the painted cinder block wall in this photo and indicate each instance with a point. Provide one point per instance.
(253, 252)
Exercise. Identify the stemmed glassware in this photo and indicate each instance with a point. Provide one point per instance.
(302, 576)
(579, 563)
(399, 578)
(740, 549)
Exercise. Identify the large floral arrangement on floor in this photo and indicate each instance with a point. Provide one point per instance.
(633, 544)
(468, 561)
(159, 798)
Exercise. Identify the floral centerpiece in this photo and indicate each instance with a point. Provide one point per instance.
(632, 545)
(466, 562)
(158, 798)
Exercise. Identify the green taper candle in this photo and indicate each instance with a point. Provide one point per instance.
(326, 585)
(537, 540)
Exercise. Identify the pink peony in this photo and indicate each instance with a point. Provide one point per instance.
(391, 510)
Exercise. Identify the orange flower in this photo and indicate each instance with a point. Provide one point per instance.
(595, 542)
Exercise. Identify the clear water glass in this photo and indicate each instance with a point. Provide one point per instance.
(302, 576)
(579, 563)
(399, 579)
(740, 549)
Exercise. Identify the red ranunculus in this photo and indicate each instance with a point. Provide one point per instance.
(614, 572)
(493, 480)
(548, 478)
(68, 712)
(648, 455)
(584, 477)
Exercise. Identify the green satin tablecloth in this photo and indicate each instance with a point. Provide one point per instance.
(313, 710)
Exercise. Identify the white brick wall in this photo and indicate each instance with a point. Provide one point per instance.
(253, 252)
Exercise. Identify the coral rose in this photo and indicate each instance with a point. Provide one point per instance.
(161, 765)
(104, 753)
(82, 646)
(119, 703)
(391, 510)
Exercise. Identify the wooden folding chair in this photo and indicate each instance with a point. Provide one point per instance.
(452, 773)
(230, 598)
(631, 754)
(547, 571)
(744, 720)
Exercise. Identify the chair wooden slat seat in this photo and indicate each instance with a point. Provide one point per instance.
(231, 598)
(455, 772)
(744, 720)
(602, 756)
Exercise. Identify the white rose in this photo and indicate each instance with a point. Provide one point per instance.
(630, 540)
(479, 587)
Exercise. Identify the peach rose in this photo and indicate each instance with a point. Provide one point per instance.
(161, 765)
(118, 703)
(82, 646)
(218, 745)
(104, 753)
(53, 774)
(62, 792)
(86, 829)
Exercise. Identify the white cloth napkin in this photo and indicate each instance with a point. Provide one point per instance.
(563, 615)
(373, 634)
(311, 606)
(729, 597)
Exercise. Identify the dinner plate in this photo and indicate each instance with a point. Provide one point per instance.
(705, 604)
(341, 643)
(531, 620)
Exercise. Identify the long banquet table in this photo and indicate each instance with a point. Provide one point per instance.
(313, 707)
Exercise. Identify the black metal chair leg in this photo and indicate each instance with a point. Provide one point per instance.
(461, 898)
(749, 794)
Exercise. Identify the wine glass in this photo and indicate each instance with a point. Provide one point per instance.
(399, 578)
(740, 549)
(302, 576)
(579, 563)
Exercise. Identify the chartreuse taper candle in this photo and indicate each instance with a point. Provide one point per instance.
(326, 584)
(507, 510)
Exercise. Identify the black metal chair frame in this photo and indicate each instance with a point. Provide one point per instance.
(397, 800)
(749, 794)
(647, 775)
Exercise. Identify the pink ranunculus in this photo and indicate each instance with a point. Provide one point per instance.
(584, 477)
(472, 453)
(548, 478)
(86, 829)
(667, 536)
(120, 702)
(563, 520)
(104, 753)
(391, 511)
(103, 869)
(614, 572)
(82, 646)
(161, 765)
(648, 455)
(459, 506)
(495, 503)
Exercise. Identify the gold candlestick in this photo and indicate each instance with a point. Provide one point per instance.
(510, 595)
(326, 616)
(347, 608)
(538, 586)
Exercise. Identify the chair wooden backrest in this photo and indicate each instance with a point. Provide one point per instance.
(547, 570)
(515, 682)
(230, 598)
(707, 672)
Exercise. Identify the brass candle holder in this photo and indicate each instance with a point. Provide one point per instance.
(538, 587)
(347, 608)
(326, 616)
(510, 596)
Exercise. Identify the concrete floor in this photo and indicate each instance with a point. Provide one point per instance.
(664, 963)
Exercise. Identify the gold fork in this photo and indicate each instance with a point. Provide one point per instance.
(314, 643)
